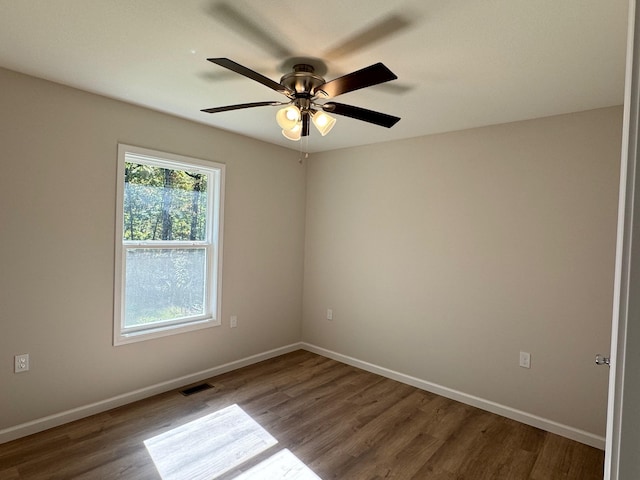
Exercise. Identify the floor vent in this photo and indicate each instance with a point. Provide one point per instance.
(195, 389)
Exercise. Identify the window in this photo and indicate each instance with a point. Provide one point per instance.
(168, 244)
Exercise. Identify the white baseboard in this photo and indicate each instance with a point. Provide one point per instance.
(508, 412)
(57, 419)
(40, 424)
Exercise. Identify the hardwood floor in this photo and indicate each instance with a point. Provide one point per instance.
(299, 416)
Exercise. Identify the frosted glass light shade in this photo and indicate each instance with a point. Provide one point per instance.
(323, 122)
(293, 133)
(288, 117)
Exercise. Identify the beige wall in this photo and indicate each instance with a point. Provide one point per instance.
(57, 204)
(444, 256)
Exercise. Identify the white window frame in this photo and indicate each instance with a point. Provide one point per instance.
(212, 243)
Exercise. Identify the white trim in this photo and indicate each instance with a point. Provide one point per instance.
(624, 245)
(50, 421)
(165, 330)
(508, 412)
(57, 419)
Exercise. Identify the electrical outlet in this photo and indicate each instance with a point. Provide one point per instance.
(329, 314)
(21, 363)
(525, 360)
(233, 321)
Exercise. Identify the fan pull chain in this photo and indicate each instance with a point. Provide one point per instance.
(300, 157)
(306, 154)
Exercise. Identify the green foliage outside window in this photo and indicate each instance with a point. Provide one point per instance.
(164, 204)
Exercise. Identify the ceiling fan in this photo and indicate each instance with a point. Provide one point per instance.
(305, 88)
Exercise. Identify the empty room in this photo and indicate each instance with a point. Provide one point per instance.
(290, 240)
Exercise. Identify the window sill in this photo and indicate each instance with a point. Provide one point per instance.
(150, 334)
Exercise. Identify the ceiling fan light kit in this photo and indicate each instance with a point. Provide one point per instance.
(288, 117)
(294, 133)
(323, 122)
(303, 87)
(290, 120)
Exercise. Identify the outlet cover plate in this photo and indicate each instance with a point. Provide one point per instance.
(525, 360)
(21, 363)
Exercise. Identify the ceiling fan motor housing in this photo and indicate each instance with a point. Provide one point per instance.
(303, 80)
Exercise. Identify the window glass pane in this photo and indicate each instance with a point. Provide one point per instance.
(164, 204)
(164, 284)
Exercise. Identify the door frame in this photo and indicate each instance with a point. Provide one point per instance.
(623, 411)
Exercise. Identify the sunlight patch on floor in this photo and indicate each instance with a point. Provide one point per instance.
(210, 446)
(284, 465)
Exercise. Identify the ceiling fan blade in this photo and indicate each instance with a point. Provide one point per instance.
(366, 77)
(241, 22)
(240, 106)
(236, 67)
(363, 114)
(386, 27)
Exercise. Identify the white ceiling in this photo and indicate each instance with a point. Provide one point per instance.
(460, 63)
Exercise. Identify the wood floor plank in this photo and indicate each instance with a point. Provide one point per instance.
(559, 460)
(9, 473)
(333, 419)
(459, 446)
(388, 453)
(446, 416)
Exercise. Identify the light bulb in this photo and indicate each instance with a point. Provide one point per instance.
(291, 114)
(288, 117)
(323, 122)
